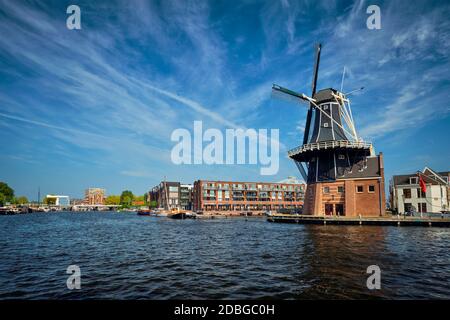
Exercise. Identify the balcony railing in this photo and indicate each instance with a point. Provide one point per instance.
(330, 145)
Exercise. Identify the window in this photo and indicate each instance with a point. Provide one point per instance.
(326, 189)
(407, 193)
(371, 188)
(325, 124)
(407, 207)
(341, 189)
(421, 194)
(423, 207)
(359, 189)
(413, 180)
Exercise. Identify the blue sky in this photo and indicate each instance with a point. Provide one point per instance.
(96, 107)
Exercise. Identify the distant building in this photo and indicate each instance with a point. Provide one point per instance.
(61, 201)
(138, 203)
(236, 196)
(94, 196)
(186, 196)
(75, 202)
(407, 196)
(172, 195)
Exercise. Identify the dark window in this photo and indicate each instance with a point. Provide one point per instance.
(340, 209)
(359, 189)
(423, 207)
(341, 189)
(407, 193)
(421, 194)
(326, 189)
(328, 209)
(371, 188)
(407, 207)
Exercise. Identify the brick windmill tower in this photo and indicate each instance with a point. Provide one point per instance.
(344, 175)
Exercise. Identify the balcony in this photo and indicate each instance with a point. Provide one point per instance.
(323, 145)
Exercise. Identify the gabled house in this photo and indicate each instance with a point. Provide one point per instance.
(407, 196)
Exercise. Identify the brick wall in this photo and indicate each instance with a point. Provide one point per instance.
(366, 203)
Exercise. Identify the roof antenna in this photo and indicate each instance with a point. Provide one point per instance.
(342, 81)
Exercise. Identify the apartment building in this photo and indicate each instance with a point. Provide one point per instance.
(407, 196)
(186, 196)
(94, 196)
(172, 195)
(237, 196)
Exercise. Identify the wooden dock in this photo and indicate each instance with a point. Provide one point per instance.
(371, 221)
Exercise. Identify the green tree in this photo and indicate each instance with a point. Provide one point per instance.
(153, 204)
(139, 198)
(126, 198)
(2, 199)
(49, 201)
(21, 200)
(7, 192)
(126, 202)
(112, 200)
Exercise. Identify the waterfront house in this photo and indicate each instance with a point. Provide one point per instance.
(407, 196)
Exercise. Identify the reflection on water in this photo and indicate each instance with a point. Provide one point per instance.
(124, 256)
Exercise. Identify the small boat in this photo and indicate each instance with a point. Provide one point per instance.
(178, 215)
(144, 212)
(161, 212)
(181, 214)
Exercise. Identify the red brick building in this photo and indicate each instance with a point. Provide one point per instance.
(239, 196)
(94, 196)
(361, 193)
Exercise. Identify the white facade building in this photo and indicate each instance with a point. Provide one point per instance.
(62, 201)
(407, 196)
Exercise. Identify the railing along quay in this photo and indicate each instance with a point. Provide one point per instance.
(374, 221)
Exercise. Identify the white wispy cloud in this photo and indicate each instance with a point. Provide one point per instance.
(119, 86)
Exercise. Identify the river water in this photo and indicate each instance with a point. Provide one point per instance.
(125, 256)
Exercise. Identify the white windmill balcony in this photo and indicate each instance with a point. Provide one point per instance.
(323, 145)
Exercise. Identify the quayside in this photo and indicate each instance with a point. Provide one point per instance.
(370, 221)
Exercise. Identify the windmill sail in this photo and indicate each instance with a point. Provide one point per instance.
(313, 92)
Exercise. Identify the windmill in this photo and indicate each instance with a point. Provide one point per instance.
(332, 151)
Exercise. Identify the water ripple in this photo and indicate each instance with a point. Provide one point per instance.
(124, 256)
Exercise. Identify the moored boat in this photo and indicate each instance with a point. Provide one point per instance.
(181, 214)
(144, 212)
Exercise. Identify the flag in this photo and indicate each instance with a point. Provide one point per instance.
(423, 187)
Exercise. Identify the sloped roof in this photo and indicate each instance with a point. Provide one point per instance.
(435, 175)
(403, 179)
(428, 178)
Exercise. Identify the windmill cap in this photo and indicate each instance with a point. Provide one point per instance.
(325, 95)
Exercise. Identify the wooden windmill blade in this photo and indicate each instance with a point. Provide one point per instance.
(313, 92)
